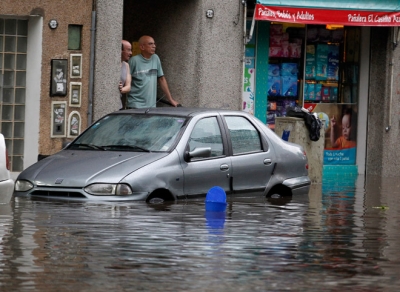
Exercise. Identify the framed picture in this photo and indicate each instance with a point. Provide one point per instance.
(74, 124)
(59, 73)
(75, 92)
(76, 65)
(58, 114)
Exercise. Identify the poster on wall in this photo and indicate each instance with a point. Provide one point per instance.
(75, 94)
(59, 74)
(340, 132)
(58, 112)
(74, 124)
(248, 86)
(249, 75)
(76, 65)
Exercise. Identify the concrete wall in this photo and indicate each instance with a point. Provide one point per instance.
(299, 134)
(383, 153)
(201, 57)
(107, 57)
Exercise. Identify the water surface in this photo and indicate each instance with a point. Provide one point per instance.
(342, 236)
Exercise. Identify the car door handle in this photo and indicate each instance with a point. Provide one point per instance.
(224, 167)
(267, 161)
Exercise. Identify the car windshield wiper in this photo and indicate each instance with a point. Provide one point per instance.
(92, 146)
(128, 147)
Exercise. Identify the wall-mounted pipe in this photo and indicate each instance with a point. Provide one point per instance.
(395, 41)
(91, 67)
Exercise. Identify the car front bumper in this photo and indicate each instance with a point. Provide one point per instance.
(77, 194)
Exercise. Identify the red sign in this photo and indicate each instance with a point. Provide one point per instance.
(326, 16)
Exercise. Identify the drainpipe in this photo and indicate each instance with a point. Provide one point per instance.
(91, 70)
(244, 3)
(395, 40)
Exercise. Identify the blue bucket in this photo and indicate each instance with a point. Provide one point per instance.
(216, 200)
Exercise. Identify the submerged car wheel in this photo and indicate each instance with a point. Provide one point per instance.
(159, 197)
(156, 201)
(279, 191)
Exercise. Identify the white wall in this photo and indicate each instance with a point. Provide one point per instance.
(33, 81)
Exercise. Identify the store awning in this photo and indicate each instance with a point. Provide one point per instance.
(344, 12)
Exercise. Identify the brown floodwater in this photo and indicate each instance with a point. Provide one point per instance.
(342, 236)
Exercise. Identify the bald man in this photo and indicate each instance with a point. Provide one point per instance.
(146, 71)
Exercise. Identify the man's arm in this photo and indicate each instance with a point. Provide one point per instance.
(164, 87)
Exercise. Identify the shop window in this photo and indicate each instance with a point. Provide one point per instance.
(74, 37)
(317, 67)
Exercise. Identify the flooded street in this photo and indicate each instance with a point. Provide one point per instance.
(338, 238)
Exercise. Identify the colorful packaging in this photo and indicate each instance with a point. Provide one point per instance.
(334, 94)
(275, 51)
(322, 61)
(285, 49)
(318, 89)
(273, 70)
(275, 40)
(294, 50)
(285, 36)
(274, 86)
(310, 62)
(271, 117)
(271, 105)
(289, 102)
(309, 91)
(289, 69)
(333, 63)
(325, 93)
(289, 85)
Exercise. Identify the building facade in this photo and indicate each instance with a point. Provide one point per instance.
(204, 49)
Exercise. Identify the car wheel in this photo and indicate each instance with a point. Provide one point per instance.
(159, 197)
(156, 201)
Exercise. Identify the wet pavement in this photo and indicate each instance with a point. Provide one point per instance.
(341, 237)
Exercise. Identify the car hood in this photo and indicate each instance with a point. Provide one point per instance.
(72, 168)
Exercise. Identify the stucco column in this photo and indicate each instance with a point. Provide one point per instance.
(109, 18)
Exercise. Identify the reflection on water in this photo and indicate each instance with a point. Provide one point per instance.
(341, 235)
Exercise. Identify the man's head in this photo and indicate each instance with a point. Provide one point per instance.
(147, 46)
(126, 50)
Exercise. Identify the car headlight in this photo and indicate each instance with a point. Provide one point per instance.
(109, 189)
(23, 185)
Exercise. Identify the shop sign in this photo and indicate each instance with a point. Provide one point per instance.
(326, 16)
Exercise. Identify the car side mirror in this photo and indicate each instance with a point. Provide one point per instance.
(202, 152)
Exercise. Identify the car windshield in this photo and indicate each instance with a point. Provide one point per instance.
(131, 132)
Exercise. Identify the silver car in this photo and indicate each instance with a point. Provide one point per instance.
(6, 182)
(167, 154)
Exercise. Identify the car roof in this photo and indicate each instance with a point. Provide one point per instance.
(181, 111)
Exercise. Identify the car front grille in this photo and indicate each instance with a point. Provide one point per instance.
(63, 194)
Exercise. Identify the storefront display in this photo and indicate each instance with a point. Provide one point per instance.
(316, 67)
(333, 78)
(284, 69)
(332, 92)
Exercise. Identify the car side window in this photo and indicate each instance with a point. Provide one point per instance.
(244, 136)
(206, 133)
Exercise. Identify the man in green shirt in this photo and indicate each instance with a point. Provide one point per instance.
(146, 70)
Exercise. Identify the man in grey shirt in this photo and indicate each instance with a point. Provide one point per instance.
(146, 70)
